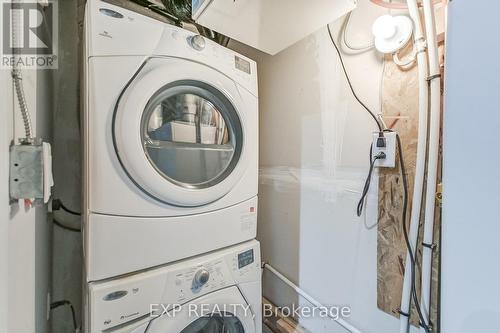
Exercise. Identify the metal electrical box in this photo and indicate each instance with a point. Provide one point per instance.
(31, 172)
(269, 25)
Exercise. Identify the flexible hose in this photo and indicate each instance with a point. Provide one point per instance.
(18, 80)
(23, 106)
(57, 304)
(353, 48)
(405, 63)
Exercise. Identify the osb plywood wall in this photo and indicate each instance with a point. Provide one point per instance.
(400, 109)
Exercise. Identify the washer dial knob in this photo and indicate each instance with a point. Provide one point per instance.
(201, 277)
(197, 42)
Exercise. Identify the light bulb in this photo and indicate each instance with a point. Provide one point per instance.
(392, 33)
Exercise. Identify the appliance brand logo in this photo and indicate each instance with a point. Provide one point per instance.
(29, 34)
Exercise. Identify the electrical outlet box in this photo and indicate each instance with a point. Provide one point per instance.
(387, 145)
(31, 172)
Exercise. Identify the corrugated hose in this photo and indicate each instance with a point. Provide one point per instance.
(17, 79)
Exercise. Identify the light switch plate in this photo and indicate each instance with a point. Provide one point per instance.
(389, 150)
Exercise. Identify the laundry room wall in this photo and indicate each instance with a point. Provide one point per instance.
(314, 152)
(24, 232)
(6, 105)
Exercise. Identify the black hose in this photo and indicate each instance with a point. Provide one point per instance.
(57, 304)
(58, 204)
(69, 210)
(65, 227)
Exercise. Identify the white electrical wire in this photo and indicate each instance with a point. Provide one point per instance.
(381, 93)
(405, 64)
(355, 48)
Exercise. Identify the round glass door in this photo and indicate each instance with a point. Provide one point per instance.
(215, 324)
(191, 134)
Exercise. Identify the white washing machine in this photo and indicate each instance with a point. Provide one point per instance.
(217, 293)
(171, 143)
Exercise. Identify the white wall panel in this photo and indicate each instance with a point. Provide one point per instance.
(314, 147)
(5, 130)
(471, 175)
(24, 232)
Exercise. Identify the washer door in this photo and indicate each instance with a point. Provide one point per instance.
(179, 134)
(224, 311)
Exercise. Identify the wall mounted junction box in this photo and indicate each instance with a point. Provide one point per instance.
(30, 172)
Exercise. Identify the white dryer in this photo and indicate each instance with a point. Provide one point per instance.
(218, 293)
(171, 143)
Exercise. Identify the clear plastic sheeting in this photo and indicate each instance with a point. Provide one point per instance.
(283, 179)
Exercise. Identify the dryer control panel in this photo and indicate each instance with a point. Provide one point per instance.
(112, 30)
(140, 296)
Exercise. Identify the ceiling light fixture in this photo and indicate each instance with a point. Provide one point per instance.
(392, 33)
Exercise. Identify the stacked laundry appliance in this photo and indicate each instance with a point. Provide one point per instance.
(170, 178)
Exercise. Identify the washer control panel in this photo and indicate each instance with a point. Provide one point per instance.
(128, 299)
(198, 280)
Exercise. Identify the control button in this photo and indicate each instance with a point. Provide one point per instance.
(197, 42)
(178, 281)
(201, 277)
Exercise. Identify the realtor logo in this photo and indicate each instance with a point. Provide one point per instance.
(29, 34)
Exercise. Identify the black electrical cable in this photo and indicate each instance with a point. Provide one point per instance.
(69, 210)
(66, 302)
(58, 204)
(62, 226)
(367, 183)
(407, 238)
(380, 127)
(366, 188)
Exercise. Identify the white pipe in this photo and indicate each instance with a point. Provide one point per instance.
(309, 298)
(433, 156)
(420, 162)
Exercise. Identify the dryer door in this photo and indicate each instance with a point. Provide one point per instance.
(224, 311)
(179, 132)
